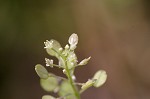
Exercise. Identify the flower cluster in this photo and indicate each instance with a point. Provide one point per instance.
(67, 88)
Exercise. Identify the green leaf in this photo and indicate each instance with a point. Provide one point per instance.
(48, 97)
(41, 71)
(49, 84)
(66, 90)
(100, 77)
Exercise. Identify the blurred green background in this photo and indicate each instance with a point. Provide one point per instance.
(116, 33)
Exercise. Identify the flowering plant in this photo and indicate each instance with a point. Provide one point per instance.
(67, 88)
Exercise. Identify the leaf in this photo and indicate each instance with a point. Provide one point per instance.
(66, 90)
(49, 84)
(41, 71)
(48, 97)
(100, 77)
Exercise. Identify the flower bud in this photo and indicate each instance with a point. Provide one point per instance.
(73, 41)
(88, 84)
(85, 61)
(64, 71)
(73, 77)
(60, 49)
(67, 46)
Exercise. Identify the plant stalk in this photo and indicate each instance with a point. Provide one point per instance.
(76, 93)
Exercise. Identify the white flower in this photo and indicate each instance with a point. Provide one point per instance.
(49, 62)
(73, 41)
(48, 44)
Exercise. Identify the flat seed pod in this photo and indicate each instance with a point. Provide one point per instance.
(66, 90)
(41, 71)
(49, 84)
(100, 77)
(48, 97)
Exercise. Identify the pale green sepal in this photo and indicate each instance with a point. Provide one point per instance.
(41, 71)
(100, 77)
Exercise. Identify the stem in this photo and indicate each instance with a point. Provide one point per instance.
(72, 83)
(76, 92)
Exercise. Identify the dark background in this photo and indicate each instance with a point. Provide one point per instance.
(116, 33)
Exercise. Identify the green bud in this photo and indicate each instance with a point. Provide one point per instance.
(100, 77)
(41, 71)
(71, 60)
(85, 61)
(88, 84)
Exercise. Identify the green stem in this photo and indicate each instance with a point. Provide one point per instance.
(76, 92)
(72, 83)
